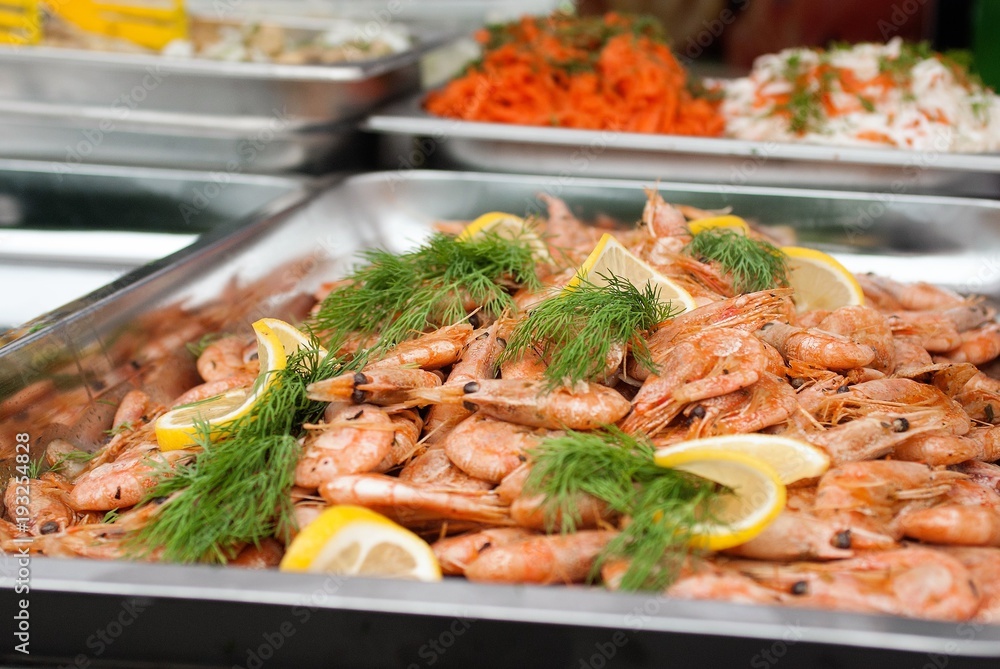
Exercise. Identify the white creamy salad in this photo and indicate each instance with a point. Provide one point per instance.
(896, 94)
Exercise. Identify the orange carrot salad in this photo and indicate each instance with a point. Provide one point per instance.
(614, 72)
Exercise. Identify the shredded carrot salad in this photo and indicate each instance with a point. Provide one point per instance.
(614, 72)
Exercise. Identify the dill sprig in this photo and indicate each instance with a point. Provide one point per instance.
(662, 504)
(398, 296)
(236, 490)
(753, 264)
(576, 329)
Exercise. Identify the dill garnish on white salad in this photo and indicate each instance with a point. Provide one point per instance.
(878, 95)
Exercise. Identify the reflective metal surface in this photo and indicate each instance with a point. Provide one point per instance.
(66, 234)
(133, 332)
(79, 106)
(423, 140)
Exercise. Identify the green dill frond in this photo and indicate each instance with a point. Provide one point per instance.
(576, 329)
(236, 490)
(196, 348)
(753, 264)
(398, 296)
(662, 504)
(35, 468)
(71, 456)
(111, 516)
(125, 426)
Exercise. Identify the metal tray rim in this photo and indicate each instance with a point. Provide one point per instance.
(520, 603)
(408, 117)
(337, 72)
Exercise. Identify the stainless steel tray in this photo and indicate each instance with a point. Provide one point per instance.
(424, 140)
(78, 106)
(65, 235)
(208, 616)
(128, 86)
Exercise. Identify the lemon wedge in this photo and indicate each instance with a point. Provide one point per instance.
(820, 282)
(758, 495)
(610, 257)
(353, 540)
(507, 226)
(291, 338)
(178, 428)
(792, 459)
(731, 222)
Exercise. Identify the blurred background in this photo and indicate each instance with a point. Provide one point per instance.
(728, 32)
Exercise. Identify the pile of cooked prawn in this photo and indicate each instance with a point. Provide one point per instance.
(436, 435)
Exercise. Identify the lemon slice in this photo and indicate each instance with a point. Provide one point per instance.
(354, 540)
(507, 226)
(792, 459)
(820, 282)
(732, 222)
(290, 337)
(179, 427)
(758, 495)
(610, 257)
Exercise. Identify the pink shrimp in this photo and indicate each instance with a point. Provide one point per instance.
(748, 312)
(796, 535)
(382, 387)
(456, 553)
(356, 441)
(488, 448)
(411, 505)
(478, 361)
(713, 363)
(978, 346)
(585, 406)
(226, 357)
(914, 582)
(892, 295)
(865, 327)
(544, 559)
(434, 350)
(816, 347)
(41, 501)
(122, 483)
(433, 470)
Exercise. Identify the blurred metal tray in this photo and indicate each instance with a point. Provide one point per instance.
(80, 106)
(66, 234)
(421, 140)
(205, 616)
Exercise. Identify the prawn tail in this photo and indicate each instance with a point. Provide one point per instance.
(338, 389)
(449, 394)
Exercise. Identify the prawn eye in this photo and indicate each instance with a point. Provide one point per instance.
(842, 539)
(358, 396)
(360, 378)
(698, 411)
(900, 425)
(800, 587)
(469, 406)
(470, 387)
(474, 321)
(49, 527)
(502, 342)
